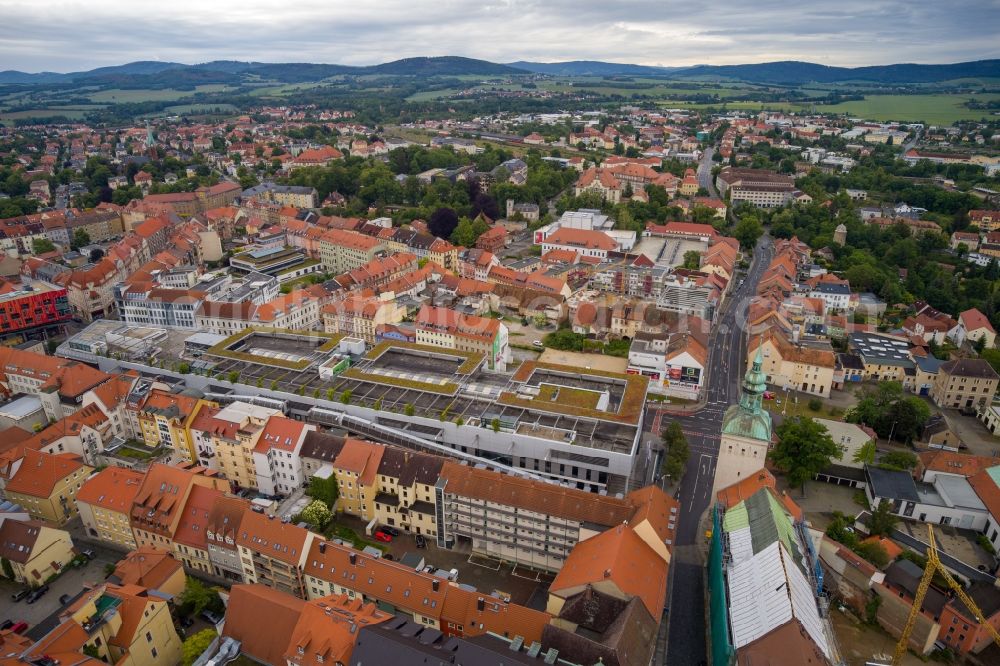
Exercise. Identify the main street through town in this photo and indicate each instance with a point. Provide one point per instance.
(684, 637)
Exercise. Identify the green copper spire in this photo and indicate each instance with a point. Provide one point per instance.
(749, 418)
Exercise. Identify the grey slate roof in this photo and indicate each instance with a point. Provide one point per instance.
(891, 484)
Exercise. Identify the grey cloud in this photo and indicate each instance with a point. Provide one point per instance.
(44, 35)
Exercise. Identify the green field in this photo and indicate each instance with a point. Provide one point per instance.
(429, 95)
(604, 87)
(119, 96)
(268, 91)
(199, 108)
(934, 109)
(74, 113)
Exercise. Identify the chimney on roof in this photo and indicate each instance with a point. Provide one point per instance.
(322, 547)
(435, 584)
(354, 558)
(607, 573)
(480, 604)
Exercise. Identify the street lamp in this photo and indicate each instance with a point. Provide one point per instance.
(891, 430)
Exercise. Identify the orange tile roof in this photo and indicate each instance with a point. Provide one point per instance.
(158, 503)
(360, 457)
(273, 538)
(973, 319)
(327, 629)
(68, 637)
(732, 495)
(621, 556)
(483, 329)
(224, 520)
(248, 605)
(988, 491)
(585, 238)
(148, 567)
(951, 462)
(113, 488)
(280, 432)
(414, 591)
(891, 548)
(40, 472)
(113, 392)
(461, 607)
(193, 525)
(657, 507)
(173, 405)
(350, 239)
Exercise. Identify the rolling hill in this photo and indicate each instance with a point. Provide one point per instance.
(790, 72)
(592, 68)
(796, 72)
(231, 71)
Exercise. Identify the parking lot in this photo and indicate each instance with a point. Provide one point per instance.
(41, 615)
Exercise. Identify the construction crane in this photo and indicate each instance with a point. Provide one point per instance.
(934, 565)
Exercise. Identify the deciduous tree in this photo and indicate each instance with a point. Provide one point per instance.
(195, 645)
(804, 448)
(316, 513)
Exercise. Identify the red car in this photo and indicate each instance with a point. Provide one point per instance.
(382, 536)
(768, 395)
(20, 627)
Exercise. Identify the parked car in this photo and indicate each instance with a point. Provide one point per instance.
(20, 594)
(20, 627)
(209, 616)
(768, 395)
(64, 599)
(382, 536)
(7, 624)
(37, 594)
(88, 553)
(421, 541)
(390, 530)
(537, 343)
(187, 621)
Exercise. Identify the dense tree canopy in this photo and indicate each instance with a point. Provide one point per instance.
(804, 448)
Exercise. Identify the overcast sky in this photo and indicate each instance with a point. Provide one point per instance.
(52, 35)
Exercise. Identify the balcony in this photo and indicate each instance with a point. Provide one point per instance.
(106, 607)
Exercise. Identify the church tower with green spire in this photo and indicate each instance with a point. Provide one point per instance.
(746, 428)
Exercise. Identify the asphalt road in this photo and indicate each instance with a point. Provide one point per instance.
(705, 172)
(684, 642)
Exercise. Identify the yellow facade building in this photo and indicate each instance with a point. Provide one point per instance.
(356, 469)
(46, 485)
(123, 624)
(34, 550)
(104, 502)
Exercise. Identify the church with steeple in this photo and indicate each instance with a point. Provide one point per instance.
(746, 430)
